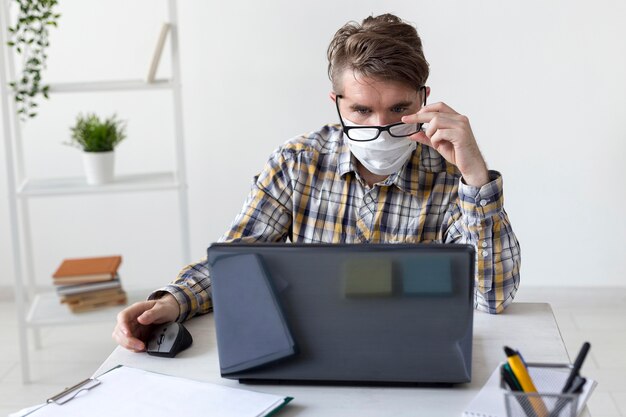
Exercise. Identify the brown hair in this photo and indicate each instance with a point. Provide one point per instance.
(382, 47)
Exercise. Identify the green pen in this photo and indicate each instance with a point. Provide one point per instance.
(510, 379)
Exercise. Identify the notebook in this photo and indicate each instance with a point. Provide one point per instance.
(490, 400)
(347, 313)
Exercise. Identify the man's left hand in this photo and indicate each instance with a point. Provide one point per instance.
(450, 134)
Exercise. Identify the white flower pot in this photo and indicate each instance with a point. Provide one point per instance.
(99, 167)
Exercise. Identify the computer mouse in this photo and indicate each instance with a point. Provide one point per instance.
(168, 339)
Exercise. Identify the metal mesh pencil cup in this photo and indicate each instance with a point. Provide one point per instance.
(548, 401)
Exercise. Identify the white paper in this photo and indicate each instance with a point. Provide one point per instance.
(128, 391)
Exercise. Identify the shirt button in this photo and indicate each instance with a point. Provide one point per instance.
(483, 203)
(485, 244)
(485, 253)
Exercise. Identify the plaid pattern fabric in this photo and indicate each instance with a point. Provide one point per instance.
(310, 192)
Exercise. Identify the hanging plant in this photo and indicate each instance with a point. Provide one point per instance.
(29, 37)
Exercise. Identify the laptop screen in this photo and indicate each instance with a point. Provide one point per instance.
(360, 313)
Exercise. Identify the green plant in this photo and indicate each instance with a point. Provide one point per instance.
(92, 135)
(29, 37)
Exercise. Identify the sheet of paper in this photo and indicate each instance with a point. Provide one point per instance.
(127, 391)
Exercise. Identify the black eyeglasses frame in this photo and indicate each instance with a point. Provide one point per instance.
(347, 129)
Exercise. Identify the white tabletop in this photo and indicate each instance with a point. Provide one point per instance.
(531, 328)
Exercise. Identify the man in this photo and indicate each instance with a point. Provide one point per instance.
(379, 177)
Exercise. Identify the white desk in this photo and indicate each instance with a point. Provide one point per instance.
(531, 328)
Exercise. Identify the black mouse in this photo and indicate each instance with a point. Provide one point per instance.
(168, 339)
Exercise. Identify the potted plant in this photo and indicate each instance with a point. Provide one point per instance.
(98, 140)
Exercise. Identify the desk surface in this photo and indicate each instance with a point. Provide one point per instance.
(531, 328)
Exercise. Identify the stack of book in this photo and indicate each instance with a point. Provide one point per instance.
(86, 284)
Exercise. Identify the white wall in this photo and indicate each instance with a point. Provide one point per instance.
(542, 82)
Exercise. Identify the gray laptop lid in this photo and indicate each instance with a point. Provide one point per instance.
(343, 313)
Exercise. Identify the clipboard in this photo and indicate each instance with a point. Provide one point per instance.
(69, 393)
(127, 391)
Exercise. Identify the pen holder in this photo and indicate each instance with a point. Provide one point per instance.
(548, 401)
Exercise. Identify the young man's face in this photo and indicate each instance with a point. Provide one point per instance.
(371, 102)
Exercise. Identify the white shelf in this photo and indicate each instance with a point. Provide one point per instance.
(78, 185)
(47, 310)
(121, 85)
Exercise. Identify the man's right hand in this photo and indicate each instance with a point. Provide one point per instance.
(135, 322)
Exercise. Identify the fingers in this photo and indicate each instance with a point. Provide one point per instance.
(450, 134)
(164, 310)
(456, 125)
(150, 316)
(421, 138)
(439, 128)
(424, 116)
(442, 122)
(442, 141)
(135, 322)
(438, 107)
(126, 340)
(418, 118)
(128, 331)
(450, 137)
(128, 317)
(431, 110)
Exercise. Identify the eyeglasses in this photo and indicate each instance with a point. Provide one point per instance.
(369, 133)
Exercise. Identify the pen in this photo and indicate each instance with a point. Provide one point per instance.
(577, 386)
(510, 380)
(578, 363)
(525, 381)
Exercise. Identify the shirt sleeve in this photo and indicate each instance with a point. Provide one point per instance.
(479, 218)
(265, 217)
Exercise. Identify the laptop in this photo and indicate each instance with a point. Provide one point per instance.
(343, 313)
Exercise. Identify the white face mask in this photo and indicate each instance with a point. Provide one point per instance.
(382, 156)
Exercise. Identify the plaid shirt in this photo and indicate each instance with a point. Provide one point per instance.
(310, 192)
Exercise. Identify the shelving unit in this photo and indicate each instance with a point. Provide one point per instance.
(38, 310)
